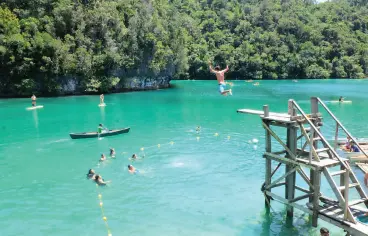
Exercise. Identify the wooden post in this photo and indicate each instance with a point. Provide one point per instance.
(314, 176)
(316, 193)
(336, 135)
(346, 193)
(268, 149)
(266, 111)
(291, 143)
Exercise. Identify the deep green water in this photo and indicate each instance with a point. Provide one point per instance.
(209, 186)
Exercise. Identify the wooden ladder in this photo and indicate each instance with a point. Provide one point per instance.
(347, 177)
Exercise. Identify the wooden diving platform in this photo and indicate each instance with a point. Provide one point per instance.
(315, 155)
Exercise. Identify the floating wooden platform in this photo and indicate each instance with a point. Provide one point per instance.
(360, 158)
(363, 167)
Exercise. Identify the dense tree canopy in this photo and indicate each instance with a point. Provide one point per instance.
(44, 40)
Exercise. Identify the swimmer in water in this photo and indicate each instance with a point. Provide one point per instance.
(112, 152)
(103, 157)
(100, 181)
(132, 169)
(198, 129)
(134, 157)
(91, 174)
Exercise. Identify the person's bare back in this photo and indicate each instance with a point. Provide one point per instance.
(220, 76)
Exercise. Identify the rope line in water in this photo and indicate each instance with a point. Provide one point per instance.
(104, 218)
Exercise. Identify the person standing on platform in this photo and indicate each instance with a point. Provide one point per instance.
(33, 100)
(102, 99)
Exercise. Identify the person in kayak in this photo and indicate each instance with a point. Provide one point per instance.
(101, 129)
(33, 100)
(341, 99)
(220, 76)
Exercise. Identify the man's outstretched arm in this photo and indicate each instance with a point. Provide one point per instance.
(226, 70)
(211, 69)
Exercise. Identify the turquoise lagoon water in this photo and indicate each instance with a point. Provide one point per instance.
(196, 186)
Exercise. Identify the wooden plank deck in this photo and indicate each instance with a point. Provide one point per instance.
(360, 158)
(363, 167)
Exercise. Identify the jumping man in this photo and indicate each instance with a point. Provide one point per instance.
(220, 76)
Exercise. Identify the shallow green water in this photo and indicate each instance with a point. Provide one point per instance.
(206, 186)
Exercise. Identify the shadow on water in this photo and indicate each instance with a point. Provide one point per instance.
(35, 118)
(298, 225)
(276, 223)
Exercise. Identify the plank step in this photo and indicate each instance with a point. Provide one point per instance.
(308, 129)
(338, 172)
(317, 139)
(322, 150)
(353, 185)
(356, 202)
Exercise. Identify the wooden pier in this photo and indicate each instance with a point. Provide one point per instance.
(314, 159)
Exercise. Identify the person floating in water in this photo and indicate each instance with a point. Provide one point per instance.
(220, 76)
(98, 179)
(33, 100)
(103, 157)
(347, 145)
(102, 99)
(134, 157)
(112, 152)
(91, 174)
(198, 129)
(132, 169)
(341, 99)
(353, 147)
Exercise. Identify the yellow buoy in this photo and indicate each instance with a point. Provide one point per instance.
(99, 196)
(104, 218)
(197, 138)
(228, 137)
(158, 145)
(216, 134)
(142, 149)
(171, 142)
(101, 204)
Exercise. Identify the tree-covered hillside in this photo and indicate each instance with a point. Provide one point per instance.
(97, 41)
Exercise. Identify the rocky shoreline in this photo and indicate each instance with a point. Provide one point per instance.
(70, 86)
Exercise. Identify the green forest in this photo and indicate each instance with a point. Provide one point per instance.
(44, 41)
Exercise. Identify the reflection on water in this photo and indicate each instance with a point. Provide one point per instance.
(102, 111)
(35, 118)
